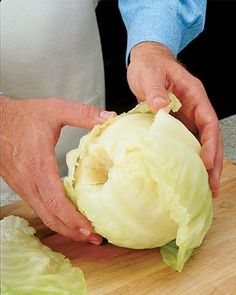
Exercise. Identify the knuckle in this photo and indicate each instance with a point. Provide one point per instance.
(88, 110)
(71, 224)
(212, 122)
(52, 204)
(87, 113)
(155, 90)
(192, 87)
(197, 84)
(51, 224)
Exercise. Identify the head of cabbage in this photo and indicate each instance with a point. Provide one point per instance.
(141, 182)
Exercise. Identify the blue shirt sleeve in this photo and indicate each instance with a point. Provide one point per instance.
(173, 23)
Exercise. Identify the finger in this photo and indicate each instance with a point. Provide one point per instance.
(210, 137)
(139, 99)
(158, 102)
(215, 172)
(54, 223)
(82, 115)
(53, 197)
(208, 127)
(155, 92)
(49, 219)
(198, 106)
(209, 145)
(201, 118)
(31, 195)
(149, 86)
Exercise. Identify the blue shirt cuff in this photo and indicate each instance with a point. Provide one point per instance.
(171, 23)
(140, 31)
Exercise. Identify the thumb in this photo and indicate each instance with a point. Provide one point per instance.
(83, 115)
(156, 95)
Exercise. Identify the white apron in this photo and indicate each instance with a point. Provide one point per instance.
(51, 48)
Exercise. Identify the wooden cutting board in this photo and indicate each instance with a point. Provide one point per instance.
(110, 270)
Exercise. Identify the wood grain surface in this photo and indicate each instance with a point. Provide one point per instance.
(110, 270)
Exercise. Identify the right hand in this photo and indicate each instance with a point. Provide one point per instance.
(30, 129)
(152, 72)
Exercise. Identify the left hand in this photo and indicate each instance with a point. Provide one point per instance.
(29, 133)
(152, 72)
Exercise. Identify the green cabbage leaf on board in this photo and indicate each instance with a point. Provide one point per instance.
(141, 182)
(30, 268)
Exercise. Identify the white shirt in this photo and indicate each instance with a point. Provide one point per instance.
(52, 49)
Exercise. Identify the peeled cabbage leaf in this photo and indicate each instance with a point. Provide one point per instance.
(141, 182)
(31, 268)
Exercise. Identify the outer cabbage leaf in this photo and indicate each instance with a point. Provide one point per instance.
(31, 268)
(183, 182)
(140, 180)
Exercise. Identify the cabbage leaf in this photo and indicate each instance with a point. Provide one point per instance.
(30, 268)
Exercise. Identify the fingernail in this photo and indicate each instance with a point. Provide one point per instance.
(105, 115)
(158, 100)
(95, 241)
(84, 231)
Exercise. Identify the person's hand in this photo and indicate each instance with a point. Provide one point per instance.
(152, 72)
(30, 129)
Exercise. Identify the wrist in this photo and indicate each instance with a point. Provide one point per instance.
(4, 99)
(5, 109)
(149, 48)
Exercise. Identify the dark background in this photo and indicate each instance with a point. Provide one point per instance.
(210, 57)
